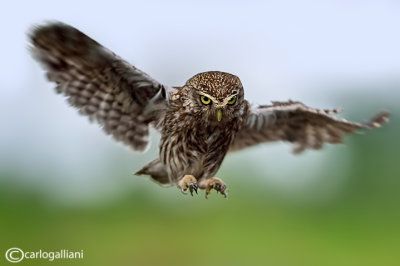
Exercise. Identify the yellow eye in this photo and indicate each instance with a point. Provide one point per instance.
(232, 100)
(205, 100)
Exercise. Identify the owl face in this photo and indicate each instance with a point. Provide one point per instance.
(216, 97)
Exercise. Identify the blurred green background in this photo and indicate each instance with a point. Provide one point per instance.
(355, 222)
(65, 185)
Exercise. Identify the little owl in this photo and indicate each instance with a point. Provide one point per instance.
(199, 122)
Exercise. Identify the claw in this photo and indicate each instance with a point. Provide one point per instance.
(188, 182)
(183, 191)
(193, 187)
(213, 183)
(223, 191)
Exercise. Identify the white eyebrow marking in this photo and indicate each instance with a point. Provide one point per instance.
(217, 103)
(209, 96)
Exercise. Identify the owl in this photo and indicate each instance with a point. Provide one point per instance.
(199, 122)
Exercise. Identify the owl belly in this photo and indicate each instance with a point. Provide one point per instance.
(193, 153)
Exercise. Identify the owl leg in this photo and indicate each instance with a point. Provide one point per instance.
(188, 182)
(213, 183)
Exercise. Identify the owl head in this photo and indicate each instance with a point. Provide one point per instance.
(216, 97)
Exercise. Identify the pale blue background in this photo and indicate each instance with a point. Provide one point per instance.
(324, 53)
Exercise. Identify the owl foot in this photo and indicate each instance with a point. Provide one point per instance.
(188, 182)
(213, 183)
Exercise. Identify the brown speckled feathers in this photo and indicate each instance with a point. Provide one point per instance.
(96, 81)
(216, 83)
(297, 123)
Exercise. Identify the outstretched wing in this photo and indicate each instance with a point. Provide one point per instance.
(297, 123)
(96, 81)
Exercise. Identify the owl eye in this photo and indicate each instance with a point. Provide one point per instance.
(232, 100)
(205, 100)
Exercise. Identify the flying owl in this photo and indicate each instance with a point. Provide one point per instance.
(200, 122)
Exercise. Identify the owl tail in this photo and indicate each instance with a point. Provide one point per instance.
(156, 171)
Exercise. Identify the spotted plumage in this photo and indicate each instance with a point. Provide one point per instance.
(200, 122)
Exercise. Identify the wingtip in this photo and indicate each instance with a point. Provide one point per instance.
(43, 28)
(379, 120)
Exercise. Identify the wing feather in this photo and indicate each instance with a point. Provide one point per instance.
(101, 85)
(295, 122)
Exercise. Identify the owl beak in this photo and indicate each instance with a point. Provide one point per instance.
(219, 115)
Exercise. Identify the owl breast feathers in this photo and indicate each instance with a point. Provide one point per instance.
(199, 122)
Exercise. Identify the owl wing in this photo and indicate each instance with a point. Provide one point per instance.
(297, 123)
(96, 81)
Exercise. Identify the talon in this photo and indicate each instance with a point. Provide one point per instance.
(193, 187)
(183, 191)
(188, 182)
(212, 183)
(223, 191)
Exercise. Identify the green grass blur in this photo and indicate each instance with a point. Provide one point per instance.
(151, 225)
